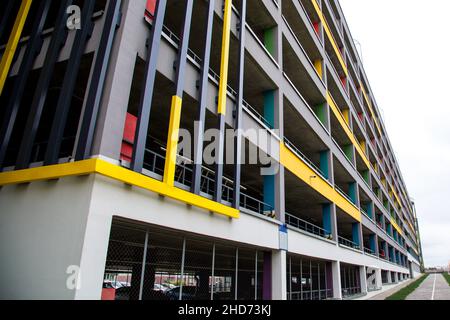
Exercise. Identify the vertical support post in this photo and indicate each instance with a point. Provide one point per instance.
(177, 99)
(222, 99)
(6, 14)
(13, 41)
(203, 96)
(278, 275)
(97, 81)
(13, 105)
(183, 258)
(145, 105)
(212, 270)
(256, 275)
(59, 36)
(363, 279)
(238, 115)
(144, 262)
(68, 86)
(236, 274)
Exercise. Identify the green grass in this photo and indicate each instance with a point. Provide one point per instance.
(406, 291)
(447, 277)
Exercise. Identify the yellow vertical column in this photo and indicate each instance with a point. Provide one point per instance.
(172, 141)
(222, 101)
(13, 41)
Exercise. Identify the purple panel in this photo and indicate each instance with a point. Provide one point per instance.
(329, 274)
(267, 276)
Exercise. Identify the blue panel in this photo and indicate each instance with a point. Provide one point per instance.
(326, 218)
(352, 191)
(269, 107)
(355, 233)
(324, 163)
(269, 115)
(269, 192)
(370, 210)
(373, 243)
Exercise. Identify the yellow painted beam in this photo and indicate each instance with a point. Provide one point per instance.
(330, 36)
(172, 141)
(396, 196)
(395, 225)
(318, 67)
(299, 168)
(346, 114)
(222, 103)
(97, 166)
(13, 41)
(345, 126)
(370, 108)
(362, 144)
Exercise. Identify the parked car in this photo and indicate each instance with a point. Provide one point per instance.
(188, 293)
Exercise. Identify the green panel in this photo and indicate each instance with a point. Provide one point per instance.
(320, 111)
(269, 40)
(348, 150)
(366, 176)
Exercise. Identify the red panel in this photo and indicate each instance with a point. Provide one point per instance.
(150, 10)
(316, 27)
(130, 128)
(344, 81)
(129, 132)
(108, 294)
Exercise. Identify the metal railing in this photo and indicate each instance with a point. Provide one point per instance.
(155, 163)
(369, 251)
(345, 195)
(301, 47)
(311, 295)
(213, 75)
(347, 243)
(252, 110)
(301, 155)
(352, 291)
(308, 227)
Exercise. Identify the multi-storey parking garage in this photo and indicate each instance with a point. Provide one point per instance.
(108, 191)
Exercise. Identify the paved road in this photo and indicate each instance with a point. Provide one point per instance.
(435, 287)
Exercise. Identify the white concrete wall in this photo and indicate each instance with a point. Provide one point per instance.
(42, 227)
(111, 198)
(303, 244)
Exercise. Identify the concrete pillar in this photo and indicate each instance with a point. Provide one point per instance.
(389, 277)
(379, 279)
(363, 279)
(129, 42)
(279, 286)
(336, 272)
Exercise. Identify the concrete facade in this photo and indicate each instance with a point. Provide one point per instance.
(325, 126)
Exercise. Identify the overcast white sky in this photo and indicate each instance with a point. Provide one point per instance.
(406, 54)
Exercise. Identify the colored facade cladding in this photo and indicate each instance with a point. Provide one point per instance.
(138, 97)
